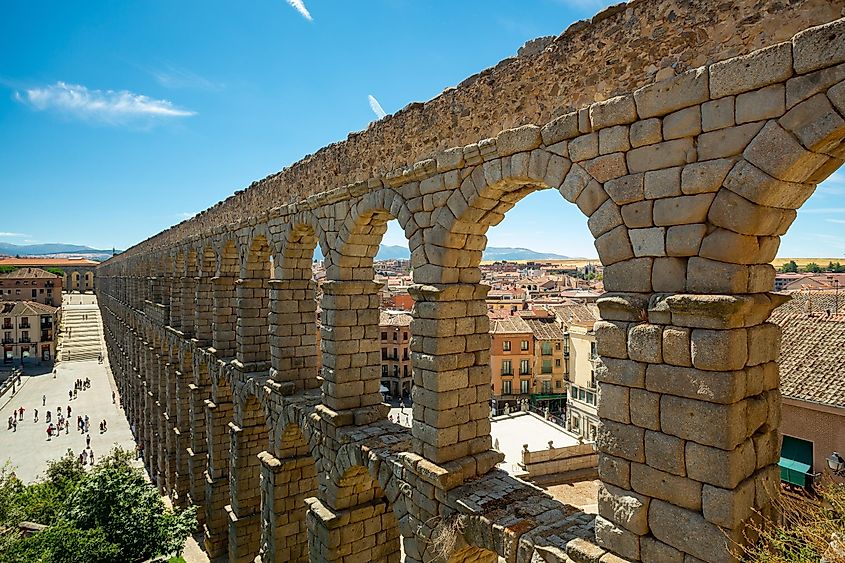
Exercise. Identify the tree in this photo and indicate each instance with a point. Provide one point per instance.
(812, 268)
(789, 267)
(110, 514)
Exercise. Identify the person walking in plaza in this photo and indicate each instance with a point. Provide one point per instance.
(43, 400)
(36, 416)
(68, 411)
(14, 425)
(70, 395)
(11, 418)
(49, 432)
(48, 417)
(21, 413)
(112, 397)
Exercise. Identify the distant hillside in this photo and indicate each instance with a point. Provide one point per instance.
(54, 250)
(396, 252)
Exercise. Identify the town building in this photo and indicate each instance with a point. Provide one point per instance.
(551, 349)
(577, 320)
(812, 383)
(32, 284)
(29, 331)
(78, 272)
(511, 362)
(395, 328)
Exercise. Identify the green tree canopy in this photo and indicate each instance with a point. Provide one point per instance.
(789, 267)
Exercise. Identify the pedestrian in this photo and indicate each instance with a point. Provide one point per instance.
(70, 395)
(36, 416)
(90, 456)
(49, 433)
(48, 416)
(14, 426)
(88, 440)
(67, 428)
(68, 411)
(105, 426)
(84, 457)
(21, 411)
(79, 422)
(44, 399)
(112, 397)
(74, 393)
(10, 423)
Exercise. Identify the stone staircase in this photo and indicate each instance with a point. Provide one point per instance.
(82, 333)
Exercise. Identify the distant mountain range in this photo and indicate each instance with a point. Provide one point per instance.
(388, 252)
(56, 249)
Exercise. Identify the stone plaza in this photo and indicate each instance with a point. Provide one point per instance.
(689, 153)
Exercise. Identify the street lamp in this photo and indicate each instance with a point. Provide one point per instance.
(836, 464)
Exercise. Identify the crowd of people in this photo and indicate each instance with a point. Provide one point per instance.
(59, 421)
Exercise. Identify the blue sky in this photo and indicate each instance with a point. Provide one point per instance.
(119, 119)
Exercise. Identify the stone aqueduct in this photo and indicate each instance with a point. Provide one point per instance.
(689, 153)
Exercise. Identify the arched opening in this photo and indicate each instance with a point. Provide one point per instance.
(294, 338)
(253, 307)
(351, 307)
(224, 301)
(74, 281)
(249, 435)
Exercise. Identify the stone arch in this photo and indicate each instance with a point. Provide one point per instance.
(299, 238)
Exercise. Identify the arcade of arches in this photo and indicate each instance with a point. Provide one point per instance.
(688, 183)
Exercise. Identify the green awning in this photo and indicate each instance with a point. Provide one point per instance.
(794, 472)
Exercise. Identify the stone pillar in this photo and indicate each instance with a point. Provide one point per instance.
(285, 484)
(351, 351)
(188, 294)
(352, 534)
(450, 350)
(218, 415)
(203, 310)
(197, 448)
(253, 350)
(182, 438)
(223, 328)
(293, 333)
(690, 408)
(244, 512)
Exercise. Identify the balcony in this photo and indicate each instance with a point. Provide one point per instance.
(25, 340)
(25, 325)
(8, 341)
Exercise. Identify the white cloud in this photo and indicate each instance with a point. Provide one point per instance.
(837, 221)
(109, 106)
(823, 210)
(299, 6)
(2, 234)
(376, 107)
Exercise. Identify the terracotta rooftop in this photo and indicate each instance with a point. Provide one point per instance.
(510, 325)
(545, 330)
(28, 273)
(812, 357)
(573, 312)
(389, 318)
(25, 308)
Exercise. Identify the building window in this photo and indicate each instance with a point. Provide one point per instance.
(523, 345)
(384, 370)
(384, 336)
(507, 369)
(395, 336)
(557, 345)
(523, 386)
(395, 353)
(35, 293)
(384, 353)
(558, 383)
(557, 362)
(506, 346)
(547, 348)
(524, 367)
(593, 351)
(404, 336)
(591, 398)
(547, 387)
(507, 388)
(547, 366)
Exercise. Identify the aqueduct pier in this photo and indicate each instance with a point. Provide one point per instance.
(688, 132)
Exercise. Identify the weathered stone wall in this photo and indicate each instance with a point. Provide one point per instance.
(620, 49)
